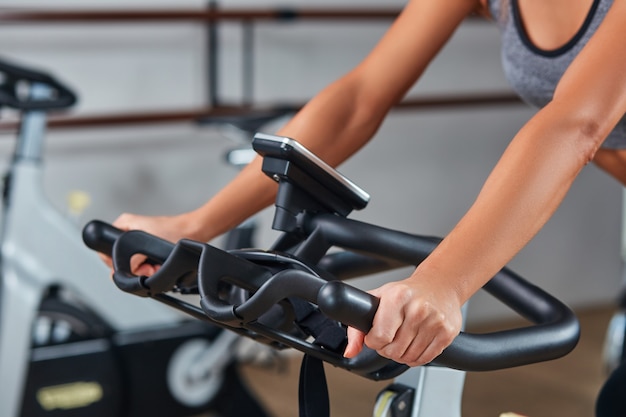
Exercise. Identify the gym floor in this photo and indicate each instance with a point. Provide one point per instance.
(565, 387)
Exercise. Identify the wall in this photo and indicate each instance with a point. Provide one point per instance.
(428, 165)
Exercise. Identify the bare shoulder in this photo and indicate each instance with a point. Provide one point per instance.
(594, 85)
(411, 42)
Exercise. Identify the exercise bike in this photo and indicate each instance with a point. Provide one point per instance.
(295, 294)
(70, 343)
(610, 402)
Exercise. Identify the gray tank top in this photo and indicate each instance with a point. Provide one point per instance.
(533, 72)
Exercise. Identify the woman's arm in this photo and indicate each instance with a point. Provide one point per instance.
(335, 124)
(420, 316)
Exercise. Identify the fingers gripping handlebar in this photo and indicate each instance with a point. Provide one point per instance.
(178, 262)
(270, 279)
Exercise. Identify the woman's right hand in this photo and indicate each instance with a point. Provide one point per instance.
(171, 228)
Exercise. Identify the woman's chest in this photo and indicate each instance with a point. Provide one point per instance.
(550, 24)
(535, 56)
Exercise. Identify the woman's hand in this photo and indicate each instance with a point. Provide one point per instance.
(416, 320)
(171, 228)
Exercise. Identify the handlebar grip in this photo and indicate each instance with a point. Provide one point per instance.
(122, 245)
(348, 305)
(100, 236)
(554, 333)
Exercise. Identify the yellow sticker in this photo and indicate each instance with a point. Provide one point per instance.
(69, 396)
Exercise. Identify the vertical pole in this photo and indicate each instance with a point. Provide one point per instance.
(33, 127)
(248, 62)
(212, 57)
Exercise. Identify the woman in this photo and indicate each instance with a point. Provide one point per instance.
(568, 56)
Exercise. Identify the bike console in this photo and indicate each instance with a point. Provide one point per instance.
(306, 182)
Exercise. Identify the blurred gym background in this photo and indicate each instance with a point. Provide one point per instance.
(149, 69)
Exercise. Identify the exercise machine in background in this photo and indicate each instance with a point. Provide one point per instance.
(71, 344)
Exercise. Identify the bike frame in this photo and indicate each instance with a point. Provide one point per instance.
(41, 249)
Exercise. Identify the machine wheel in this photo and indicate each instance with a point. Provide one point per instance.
(60, 322)
(73, 370)
(614, 346)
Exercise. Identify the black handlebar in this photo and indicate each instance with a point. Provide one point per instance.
(555, 331)
(105, 238)
(100, 236)
(242, 290)
(60, 97)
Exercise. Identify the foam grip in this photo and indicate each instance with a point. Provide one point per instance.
(100, 236)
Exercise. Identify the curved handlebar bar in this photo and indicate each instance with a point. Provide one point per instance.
(554, 334)
(555, 331)
(105, 238)
(100, 236)
(62, 97)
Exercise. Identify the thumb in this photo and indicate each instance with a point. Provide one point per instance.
(355, 343)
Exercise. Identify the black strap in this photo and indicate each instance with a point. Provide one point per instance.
(313, 391)
(326, 332)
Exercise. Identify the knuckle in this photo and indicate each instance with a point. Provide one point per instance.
(399, 293)
(378, 340)
(389, 352)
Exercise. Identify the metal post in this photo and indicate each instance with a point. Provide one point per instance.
(212, 57)
(248, 62)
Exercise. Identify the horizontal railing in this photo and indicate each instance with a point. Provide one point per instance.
(210, 16)
(195, 114)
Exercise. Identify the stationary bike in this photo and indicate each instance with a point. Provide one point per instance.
(294, 295)
(610, 402)
(70, 343)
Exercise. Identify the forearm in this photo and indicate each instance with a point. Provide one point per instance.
(339, 121)
(333, 125)
(520, 195)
